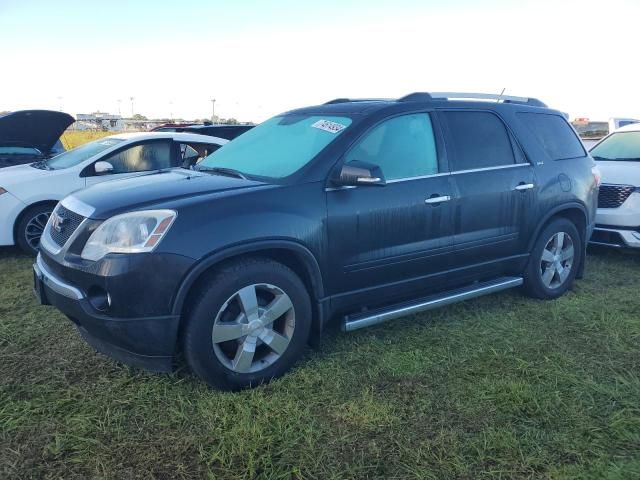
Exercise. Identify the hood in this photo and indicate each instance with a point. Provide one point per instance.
(621, 173)
(33, 128)
(118, 196)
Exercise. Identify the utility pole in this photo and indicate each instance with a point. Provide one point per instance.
(131, 98)
(213, 110)
(119, 107)
(171, 110)
(60, 102)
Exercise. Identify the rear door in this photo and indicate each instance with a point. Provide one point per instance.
(382, 237)
(494, 187)
(147, 156)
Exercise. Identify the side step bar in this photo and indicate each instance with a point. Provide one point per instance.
(367, 319)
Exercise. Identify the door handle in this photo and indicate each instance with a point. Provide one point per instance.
(440, 199)
(524, 186)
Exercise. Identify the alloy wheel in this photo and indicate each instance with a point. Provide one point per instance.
(557, 260)
(34, 229)
(253, 328)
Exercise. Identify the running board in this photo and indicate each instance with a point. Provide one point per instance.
(373, 317)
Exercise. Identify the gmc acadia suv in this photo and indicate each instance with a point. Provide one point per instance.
(357, 211)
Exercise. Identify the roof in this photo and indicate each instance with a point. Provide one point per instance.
(432, 99)
(634, 127)
(179, 136)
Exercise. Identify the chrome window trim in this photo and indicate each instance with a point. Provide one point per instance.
(486, 169)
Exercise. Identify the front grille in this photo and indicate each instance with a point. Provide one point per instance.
(612, 196)
(69, 222)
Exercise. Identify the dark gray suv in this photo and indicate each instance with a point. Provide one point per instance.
(353, 211)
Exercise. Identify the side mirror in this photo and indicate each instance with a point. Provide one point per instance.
(102, 168)
(357, 173)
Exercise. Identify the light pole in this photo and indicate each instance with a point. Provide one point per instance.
(119, 107)
(131, 98)
(213, 110)
(60, 102)
(171, 110)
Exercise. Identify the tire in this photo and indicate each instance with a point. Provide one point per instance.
(551, 270)
(231, 345)
(30, 226)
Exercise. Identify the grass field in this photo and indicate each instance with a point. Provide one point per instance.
(498, 387)
(74, 138)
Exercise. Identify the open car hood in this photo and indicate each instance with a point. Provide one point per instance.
(33, 128)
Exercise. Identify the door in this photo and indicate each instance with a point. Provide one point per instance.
(385, 240)
(494, 187)
(134, 159)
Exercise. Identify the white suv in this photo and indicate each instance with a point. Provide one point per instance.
(28, 193)
(618, 218)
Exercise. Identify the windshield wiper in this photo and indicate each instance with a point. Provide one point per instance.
(42, 165)
(229, 172)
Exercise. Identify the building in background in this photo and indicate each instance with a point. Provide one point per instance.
(101, 121)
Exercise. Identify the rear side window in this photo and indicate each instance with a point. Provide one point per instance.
(555, 135)
(403, 147)
(477, 140)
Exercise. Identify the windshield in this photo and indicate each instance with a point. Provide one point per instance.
(619, 146)
(78, 155)
(278, 147)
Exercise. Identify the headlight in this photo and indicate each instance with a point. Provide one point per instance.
(129, 233)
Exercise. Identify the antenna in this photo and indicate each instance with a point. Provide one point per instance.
(501, 93)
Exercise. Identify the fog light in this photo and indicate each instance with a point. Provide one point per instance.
(99, 298)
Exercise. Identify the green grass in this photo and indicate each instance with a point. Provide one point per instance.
(498, 387)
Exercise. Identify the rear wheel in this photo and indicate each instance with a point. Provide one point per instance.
(30, 227)
(554, 260)
(249, 324)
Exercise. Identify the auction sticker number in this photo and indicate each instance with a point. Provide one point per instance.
(328, 126)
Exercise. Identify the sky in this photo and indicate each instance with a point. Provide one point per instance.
(260, 58)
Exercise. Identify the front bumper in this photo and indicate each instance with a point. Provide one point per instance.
(147, 342)
(613, 237)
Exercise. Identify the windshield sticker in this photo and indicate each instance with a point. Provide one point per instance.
(327, 126)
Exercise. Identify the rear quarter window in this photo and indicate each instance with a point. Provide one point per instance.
(554, 134)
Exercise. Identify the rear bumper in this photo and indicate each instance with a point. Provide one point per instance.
(145, 342)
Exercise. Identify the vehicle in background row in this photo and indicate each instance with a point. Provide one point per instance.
(172, 127)
(30, 135)
(618, 218)
(222, 131)
(29, 193)
(591, 132)
(355, 211)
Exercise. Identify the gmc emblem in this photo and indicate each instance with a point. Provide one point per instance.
(57, 222)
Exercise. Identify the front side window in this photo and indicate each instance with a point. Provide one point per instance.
(78, 155)
(193, 153)
(141, 158)
(620, 146)
(403, 147)
(477, 140)
(280, 146)
(554, 134)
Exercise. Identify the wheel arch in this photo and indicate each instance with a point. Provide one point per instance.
(292, 254)
(24, 211)
(576, 213)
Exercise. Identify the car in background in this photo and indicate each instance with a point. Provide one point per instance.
(31, 135)
(618, 217)
(591, 132)
(172, 127)
(355, 211)
(29, 193)
(222, 131)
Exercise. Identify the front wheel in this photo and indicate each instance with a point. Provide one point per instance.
(554, 260)
(249, 324)
(30, 227)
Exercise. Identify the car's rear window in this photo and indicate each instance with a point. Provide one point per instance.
(554, 133)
